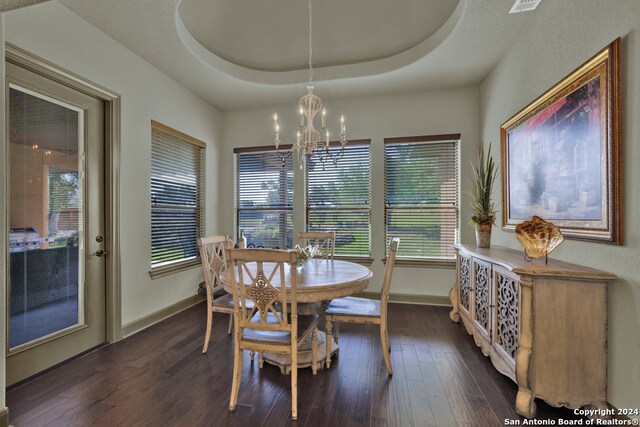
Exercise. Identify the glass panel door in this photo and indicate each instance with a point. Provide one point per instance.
(46, 140)
(58, 248)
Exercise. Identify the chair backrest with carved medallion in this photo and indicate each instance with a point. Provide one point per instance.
(262, 276)
(388, 270)
(324, 240)
(213, 257)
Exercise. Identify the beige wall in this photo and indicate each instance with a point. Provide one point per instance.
(54, 33)
(375, 118)
(561, 36)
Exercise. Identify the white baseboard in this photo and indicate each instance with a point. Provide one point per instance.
(411, 298)
(153, 318)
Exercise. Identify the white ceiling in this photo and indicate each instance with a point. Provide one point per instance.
(342, 32)
(248, 53)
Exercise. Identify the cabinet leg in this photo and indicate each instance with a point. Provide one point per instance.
(453, 297)
(525, 403)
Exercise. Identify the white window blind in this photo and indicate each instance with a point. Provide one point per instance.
(177, 196)
(421, 195)
(264, 198)
(339, 198)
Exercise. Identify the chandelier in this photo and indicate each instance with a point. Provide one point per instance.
(308, 138)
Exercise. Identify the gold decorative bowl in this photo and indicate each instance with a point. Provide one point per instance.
(538, 237)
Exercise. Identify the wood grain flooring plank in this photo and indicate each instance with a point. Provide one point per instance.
(348, 365)
(420, 405)
(85, 414)
(410, 362)
(463, 410)
(37, 394)
(379, 422)
(482, 409)
(43, 414)
(441, 409)
(322, 411)
(380, 397)
(498, 404)
(400, 410)
(364, 375)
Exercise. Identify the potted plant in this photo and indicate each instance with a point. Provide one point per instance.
(483, 176)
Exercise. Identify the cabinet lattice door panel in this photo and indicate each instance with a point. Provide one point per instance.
(506, 301)
(482, 286)
(465, 283)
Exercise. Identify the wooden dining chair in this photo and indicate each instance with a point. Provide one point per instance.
(213, 258)
(272, 325)
(324, 240)
(364, 310)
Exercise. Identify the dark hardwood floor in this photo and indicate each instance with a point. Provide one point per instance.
(160, 377)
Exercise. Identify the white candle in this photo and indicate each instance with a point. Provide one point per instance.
(301, 117)
(276, 129)
(324, 114)
(327, 139)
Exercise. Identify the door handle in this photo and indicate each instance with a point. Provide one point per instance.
(100, 253)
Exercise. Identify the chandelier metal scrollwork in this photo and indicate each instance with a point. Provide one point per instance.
(308, 138)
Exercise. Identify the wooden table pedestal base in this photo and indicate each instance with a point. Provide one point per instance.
(304, 355)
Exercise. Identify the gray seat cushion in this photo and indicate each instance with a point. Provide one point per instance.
(354, 306)
(305, 323)
(225, 304)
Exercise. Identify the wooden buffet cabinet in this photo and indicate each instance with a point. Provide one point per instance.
(544, 326)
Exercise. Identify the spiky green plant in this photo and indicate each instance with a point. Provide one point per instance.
(483, 176)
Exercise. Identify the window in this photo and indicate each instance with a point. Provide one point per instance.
(339, 198)
(64, 205)
(177, 197)
(421, 195)
(264, 198)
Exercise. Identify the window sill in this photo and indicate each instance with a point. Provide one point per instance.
(173, 268)
(363, 260)
(424, 263)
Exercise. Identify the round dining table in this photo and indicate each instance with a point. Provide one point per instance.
(317, 280)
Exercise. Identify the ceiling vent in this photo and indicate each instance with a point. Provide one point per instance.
(524, 5)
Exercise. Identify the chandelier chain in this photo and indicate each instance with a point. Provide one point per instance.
(310, 44)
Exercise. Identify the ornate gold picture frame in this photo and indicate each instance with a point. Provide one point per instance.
(561, 154)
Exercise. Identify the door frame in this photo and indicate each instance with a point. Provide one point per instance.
(111, 100)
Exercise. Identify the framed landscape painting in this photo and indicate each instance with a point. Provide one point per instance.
(561, 155)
